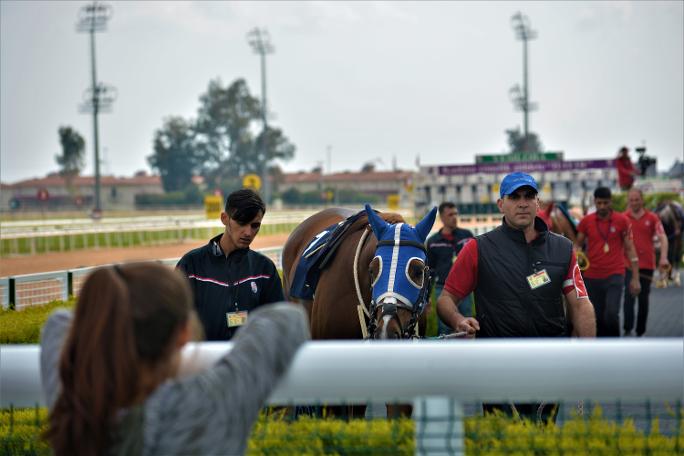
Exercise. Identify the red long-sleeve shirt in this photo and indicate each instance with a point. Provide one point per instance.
(626, 171)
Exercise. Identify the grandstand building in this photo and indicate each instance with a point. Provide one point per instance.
(475, 188)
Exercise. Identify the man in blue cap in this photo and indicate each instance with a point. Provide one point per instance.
(519, 273)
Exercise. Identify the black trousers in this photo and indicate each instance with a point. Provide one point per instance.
(645, 278)
(605, 295)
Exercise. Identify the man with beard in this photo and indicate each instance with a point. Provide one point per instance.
(519, 273)
(609, 238)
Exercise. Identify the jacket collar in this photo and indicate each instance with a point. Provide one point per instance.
(518, 236)
(217, 251)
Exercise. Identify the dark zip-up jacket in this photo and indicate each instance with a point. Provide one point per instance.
(441, 252)
(507, 306)
(224, 285)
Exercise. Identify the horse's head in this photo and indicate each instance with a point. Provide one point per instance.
(399, 276)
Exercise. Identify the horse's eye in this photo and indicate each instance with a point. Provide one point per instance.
(375, 268)
(415, 272)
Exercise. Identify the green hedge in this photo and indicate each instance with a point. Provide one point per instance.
(488, 435)
(23, 327)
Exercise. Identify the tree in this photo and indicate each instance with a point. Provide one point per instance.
(368, 167)
(229, 148)
(175, 154)
(516, 141)
(72, 159)
(222, 145)
(271, 144)
(224, 125)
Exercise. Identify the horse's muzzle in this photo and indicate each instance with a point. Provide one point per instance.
(388, 323)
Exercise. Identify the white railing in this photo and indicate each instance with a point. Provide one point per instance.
(436, 375)
(57, 227)
(36, 289)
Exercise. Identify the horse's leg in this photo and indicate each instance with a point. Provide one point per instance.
(675, 264)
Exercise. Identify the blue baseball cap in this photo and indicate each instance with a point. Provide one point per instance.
(514, 181)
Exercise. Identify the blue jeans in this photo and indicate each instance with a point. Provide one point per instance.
(465, 307)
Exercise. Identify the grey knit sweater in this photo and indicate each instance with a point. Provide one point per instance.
(210, 413)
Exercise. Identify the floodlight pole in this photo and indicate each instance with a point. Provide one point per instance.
(93, 18)
(260, 41)
(521, 25)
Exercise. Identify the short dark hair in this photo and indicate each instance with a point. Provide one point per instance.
(446, 205)
(602, 192)
(243, 205)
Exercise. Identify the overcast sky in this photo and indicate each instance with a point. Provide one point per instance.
(370, 80)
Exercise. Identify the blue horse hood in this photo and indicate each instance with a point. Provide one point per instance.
(399, 245)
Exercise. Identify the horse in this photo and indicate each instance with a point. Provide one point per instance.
(370, 279)
(377, 269)
(672, 218)
(558, 219)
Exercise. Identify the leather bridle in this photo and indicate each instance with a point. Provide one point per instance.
(390, 303)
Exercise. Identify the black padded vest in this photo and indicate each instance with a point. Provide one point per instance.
(506, 304)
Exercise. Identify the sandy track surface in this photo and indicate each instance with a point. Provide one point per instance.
(93, 257)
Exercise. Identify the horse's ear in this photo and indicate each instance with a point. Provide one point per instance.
(377, 224)
(424, 226)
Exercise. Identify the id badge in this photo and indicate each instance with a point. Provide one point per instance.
(538, 279)
(235, 319)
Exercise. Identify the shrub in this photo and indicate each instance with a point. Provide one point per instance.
(485, 435)
(23, 326)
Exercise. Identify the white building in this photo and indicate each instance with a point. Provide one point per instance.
(477, 186)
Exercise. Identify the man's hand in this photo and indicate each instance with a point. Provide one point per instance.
(634, 286)
(663, 264)
(469, 325)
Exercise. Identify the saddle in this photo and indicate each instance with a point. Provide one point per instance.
(317, 256)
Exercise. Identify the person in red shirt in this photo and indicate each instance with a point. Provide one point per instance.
(519, 272)
(609, 237)
(625, 168)
(645, 226)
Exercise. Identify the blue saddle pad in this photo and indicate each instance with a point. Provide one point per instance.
(317, 255)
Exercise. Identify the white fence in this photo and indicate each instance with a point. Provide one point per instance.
(34, 289)
(59, 235)
(438, 376)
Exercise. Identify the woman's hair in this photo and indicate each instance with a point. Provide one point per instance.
(126, 318)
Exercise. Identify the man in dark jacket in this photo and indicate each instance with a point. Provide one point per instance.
(227, 278)
(442, 249)
(519, 273)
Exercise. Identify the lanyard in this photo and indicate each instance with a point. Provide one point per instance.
(604, 236)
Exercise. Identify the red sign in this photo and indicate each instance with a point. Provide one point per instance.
(43, 194)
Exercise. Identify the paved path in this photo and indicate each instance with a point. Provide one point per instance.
(666, 312)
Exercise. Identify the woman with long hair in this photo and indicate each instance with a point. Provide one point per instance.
(112, 372)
